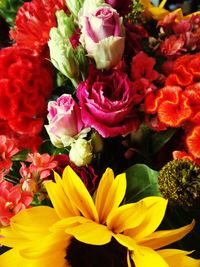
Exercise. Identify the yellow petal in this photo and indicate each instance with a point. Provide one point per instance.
(68, 223)
(90, 233)
(59, 199)
(156, 207)
(84, 230)
(163, 238)
(110, 193)
(33, 223)
(78, 194)
(46, 246)
(125, 241)
(12, 239)
(73, 210)
(12, 258)
(162, 4)
(128, 259)
(175, 257)
(145, 257)
(126, 217)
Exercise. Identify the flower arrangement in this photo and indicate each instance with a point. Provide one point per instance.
(99, 136)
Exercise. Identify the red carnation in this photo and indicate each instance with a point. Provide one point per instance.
(34, 21)
(25, 84)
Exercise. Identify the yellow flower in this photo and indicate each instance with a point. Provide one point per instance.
(159, 12)
(49, 237)
(155, 12)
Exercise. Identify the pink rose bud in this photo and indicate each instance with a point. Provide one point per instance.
(102, 34)
(64, 120)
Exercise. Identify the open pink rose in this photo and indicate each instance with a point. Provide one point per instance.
(102, 34)
(64, 119)
(107, 103)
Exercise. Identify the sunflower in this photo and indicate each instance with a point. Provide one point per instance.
(80, 231)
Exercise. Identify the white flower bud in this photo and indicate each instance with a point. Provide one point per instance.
(81, 152)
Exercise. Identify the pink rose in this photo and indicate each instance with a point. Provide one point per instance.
(64, 120)
(102, 34)
(107, 103)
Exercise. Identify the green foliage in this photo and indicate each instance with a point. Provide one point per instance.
(9, 8)
(141, 182)
(159, 139)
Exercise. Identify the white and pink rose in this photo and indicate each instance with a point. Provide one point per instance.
(64, 120)
(102, 35)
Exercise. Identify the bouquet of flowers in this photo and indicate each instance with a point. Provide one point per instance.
(99, 134)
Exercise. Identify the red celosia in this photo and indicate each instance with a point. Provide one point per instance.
(25, 84)
(7, 150)
(193, 141)
(184, 155)
(173, 112)
(192, 92)
(185, 70)
(170, 104)
(34, 21)
(12, 201)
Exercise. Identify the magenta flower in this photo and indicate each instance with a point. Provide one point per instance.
(107, 103)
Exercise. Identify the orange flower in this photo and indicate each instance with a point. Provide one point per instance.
(193, 142)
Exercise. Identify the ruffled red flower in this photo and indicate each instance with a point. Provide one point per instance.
(193, 142)
(192, 92)
(25, 84)
(184, 155)
(185, 71)
(174, 108)
(34, 21)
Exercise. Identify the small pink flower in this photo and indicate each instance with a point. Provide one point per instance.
(7, 150)
(172, 45)
(64, 119)
(12, 201)
(37, 172)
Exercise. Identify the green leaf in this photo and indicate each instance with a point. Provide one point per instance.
(9, 8)
(159, 139)
(21, 155)
(141, 182)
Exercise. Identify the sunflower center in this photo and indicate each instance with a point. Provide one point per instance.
(84, 255)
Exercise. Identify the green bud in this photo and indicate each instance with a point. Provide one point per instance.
(179, 182)
(74, 6)
(65, 24)
(83, 61)
(62, 55)
(97, 142)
